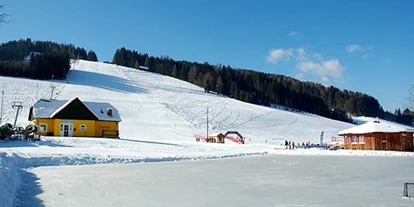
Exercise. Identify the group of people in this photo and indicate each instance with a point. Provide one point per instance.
(291, 145)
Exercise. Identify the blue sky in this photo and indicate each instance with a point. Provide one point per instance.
(364, 46)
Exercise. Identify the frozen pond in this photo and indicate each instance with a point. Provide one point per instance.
(270, 180)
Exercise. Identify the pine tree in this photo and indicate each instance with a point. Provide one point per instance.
(136, 64)
(219, 85)
(207, 82)
(146, 63)
(92, 56)
(192, 74)
(174, 71)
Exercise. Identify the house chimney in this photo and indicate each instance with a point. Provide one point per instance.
(109, 111)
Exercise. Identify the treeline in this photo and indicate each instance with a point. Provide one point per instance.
(19, 49)
(406, 117)
(43, 66)
(39, 59)
(258, 87)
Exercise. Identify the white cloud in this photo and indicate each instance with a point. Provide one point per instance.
(358, 48)
(317, 56)
(353, 48)
(324, 69)
(278, 55)
(294, 34)
(301, 54)
(315, 64)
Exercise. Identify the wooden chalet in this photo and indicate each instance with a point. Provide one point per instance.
(379, 135)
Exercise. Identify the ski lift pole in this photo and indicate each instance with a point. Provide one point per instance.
(18, 105)
(1, 116)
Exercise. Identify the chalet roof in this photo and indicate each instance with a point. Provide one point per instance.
(375, 127)
(48, 108)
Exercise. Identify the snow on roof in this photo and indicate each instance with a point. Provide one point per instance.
(48, 108)
(214, 134)
(373, 127)
(363, 119)
(100, 109)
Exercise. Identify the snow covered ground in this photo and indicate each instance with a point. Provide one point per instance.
(159, 117)
(248, 181)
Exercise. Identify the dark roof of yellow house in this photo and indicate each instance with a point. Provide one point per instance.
(74, 109)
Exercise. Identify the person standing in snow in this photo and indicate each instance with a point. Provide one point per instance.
(286, 144)
(290, 145)
(293, 145)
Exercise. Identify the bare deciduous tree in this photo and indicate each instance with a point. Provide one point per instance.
(3, 14)
(410, 98)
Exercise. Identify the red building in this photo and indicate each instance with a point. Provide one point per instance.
(379, 135)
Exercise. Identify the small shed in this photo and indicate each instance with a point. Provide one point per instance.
(215, 138)
(75, 118)
(379, 135)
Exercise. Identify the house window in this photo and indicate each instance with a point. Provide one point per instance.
(82, 127)
(354, 139)
(361, 138)
(43, 127)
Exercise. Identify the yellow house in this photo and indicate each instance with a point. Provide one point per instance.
(74, 118)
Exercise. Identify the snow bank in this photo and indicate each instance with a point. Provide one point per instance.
(316, 152)
(10, 181)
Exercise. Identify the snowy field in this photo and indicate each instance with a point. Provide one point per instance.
(159, 117)
(236, 182)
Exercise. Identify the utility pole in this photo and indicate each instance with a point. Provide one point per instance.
(18, 105)
(1, 118)
(53, 88)
(207, 122)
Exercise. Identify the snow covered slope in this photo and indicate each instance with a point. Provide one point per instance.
(157, 107)
(161, 108)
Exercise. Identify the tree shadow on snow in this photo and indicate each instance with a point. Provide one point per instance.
(104, 81)
(21, 143)
(150, 142)
(30, 191)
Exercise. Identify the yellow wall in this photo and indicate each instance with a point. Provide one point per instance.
(106, 125)
(89, 132)
(50, 125)
(93, 128)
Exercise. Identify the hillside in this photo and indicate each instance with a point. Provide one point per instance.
(156, 107)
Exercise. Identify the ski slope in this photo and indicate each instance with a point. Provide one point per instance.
(157, 107)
